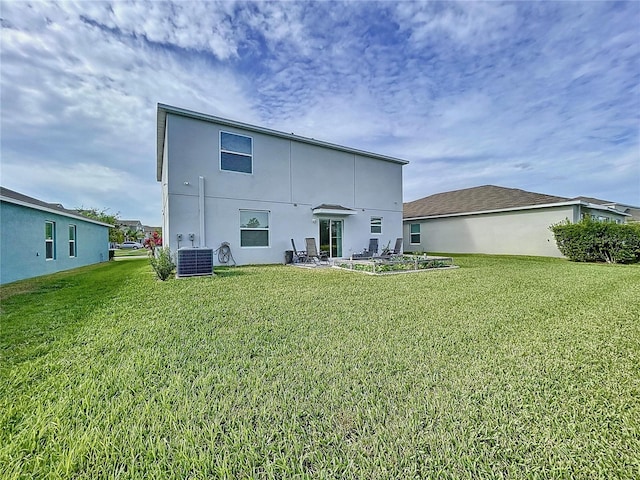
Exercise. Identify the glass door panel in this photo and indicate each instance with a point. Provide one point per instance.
(325, 234)
(331, 236)
(336, 238)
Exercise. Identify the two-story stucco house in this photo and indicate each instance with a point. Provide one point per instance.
(257, 188)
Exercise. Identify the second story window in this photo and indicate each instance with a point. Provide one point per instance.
(236, 153)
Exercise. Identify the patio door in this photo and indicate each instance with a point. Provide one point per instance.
(331, 236)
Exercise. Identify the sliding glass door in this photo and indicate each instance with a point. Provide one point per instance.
(331, 236)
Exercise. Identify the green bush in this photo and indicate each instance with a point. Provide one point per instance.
(162, 263)
(591, 241)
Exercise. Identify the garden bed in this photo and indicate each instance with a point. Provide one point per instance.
(394, 265)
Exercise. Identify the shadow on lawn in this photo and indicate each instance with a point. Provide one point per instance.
(228, 272)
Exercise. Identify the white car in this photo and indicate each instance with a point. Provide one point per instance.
(134, 245)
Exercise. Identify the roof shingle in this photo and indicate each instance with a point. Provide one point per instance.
(475, 199)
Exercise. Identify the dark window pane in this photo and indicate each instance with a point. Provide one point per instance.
(49, 250)
(72, 249)
(254, 238)
(235, 163)
(235, 143)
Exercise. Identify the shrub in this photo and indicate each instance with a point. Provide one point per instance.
(592, 241)
(162, 263)
(155, 240)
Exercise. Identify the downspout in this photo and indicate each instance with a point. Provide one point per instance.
(201, 210)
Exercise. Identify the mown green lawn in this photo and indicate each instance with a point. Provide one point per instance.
(505, 368)
(130, 252)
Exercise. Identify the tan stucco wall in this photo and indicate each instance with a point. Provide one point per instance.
(524, 232)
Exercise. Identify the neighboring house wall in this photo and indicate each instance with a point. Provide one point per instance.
(289, 179)
(23, 245)
(523, 232)
(517, 232)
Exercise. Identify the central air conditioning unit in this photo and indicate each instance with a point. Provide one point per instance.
(194, 261)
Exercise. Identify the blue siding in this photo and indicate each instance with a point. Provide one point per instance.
(22, 243)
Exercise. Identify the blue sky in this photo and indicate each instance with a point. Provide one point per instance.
(542, 96)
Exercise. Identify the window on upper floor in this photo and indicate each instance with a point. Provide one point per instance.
(73, 252)
(49, 240)
(236, 153)
(376, 225)
(415, 233)
(254, 228)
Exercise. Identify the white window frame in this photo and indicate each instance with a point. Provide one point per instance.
(73, 241)
(412, 233)
(50, 241)
(249, 229)
(376, 223)
(232, 152)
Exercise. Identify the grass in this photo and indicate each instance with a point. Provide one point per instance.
(130, 252)
(505, 368)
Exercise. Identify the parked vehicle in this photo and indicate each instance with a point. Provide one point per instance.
(134, 245)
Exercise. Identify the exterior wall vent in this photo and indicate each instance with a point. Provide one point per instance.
(194, 261)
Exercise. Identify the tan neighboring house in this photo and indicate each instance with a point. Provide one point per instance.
(496, 220)
(131, 225)
(143, 231)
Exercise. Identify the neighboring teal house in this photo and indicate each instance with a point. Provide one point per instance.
(38, 238)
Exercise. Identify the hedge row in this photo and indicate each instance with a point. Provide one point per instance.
(591, 241)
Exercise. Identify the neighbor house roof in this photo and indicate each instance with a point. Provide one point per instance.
(16, 198)
(484, 199)
(622, 207)
(476, 199)
(163, 110)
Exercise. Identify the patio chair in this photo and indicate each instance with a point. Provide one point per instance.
(369, 252)
(386, 253)
(298, 255)
(373, 246)
(313, 255)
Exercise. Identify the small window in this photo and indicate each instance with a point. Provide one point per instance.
(72, 241)
(236, 153)
(376, 224)
(254, 228)
(415, 234)
(49, 240)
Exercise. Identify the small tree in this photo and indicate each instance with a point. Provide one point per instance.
(115, 234)
(155, 240)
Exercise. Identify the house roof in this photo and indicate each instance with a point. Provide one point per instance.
(486, 198)
(16, 198)
(163, 110)
(476, 199)
(130, 223)
(330, 209)
(631, 210)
